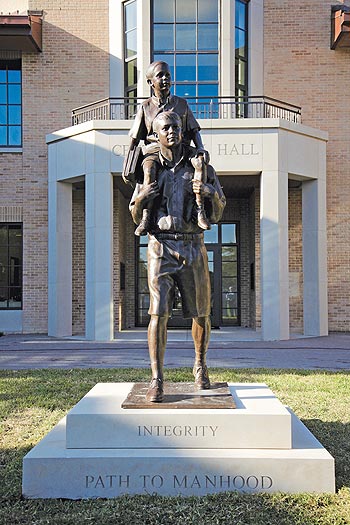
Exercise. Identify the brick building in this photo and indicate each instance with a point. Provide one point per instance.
(268, 82)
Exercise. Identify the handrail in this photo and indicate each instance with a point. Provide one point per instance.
(119, 108)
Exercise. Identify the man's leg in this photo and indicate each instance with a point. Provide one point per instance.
(201, 328)
(157, 338)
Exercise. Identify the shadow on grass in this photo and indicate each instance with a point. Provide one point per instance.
(335, 437)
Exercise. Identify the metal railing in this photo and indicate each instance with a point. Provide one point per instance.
(202, 108)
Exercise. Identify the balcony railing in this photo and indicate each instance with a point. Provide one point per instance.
(202, 107)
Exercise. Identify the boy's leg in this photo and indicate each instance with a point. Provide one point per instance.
(149, 176)
(200, 174)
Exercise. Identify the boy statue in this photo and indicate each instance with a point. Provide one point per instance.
(159, 78)
(176, 252)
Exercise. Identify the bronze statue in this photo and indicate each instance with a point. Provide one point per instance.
(176, 250)
(158, 77)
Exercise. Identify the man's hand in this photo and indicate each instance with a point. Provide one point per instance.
(199, 188)
(204, 153)
(148, 193)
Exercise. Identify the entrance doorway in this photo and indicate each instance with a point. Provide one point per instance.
(222, 243)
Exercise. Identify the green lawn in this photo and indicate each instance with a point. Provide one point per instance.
(32, 402)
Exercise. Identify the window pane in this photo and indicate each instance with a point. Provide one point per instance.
(211, 236)
(163, 37)
(3, 276)
(14, 94)
(227, 284)
(169, 59)
(15, 138)
(3, 297)
(228, 232)
(229, 269)
(2, 76)
(240, 20)
(130, 16)
(14, 76)
(163, 11)
(229, 253)
(15, 234)
(131, 43)
(3, 94)
(208, 36)
(15, 115)
(3, 136)
(207, 67)
(132, 72)
(207, 11)
(229, 299)
(143, 254)
(208, 90)
(240, 42)
(186, 37)
(185, 10)
(240, 72)
(3, 114)
(15, 297)
(15, 254)
(3, 235)
(186, 90)
(185, 67)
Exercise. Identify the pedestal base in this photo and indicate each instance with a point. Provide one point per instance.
(50, 470)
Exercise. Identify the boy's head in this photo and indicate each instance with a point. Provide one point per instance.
(167, 126)
(159, 77)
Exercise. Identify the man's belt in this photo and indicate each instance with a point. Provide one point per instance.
(178, 236)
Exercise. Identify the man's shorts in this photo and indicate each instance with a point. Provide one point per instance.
(181, 262)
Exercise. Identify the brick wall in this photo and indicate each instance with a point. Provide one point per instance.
(300, 68)
(72, 70)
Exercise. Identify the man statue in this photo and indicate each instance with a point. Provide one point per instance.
(176, 251)
(159, 79)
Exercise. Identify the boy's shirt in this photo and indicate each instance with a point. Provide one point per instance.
(142, 128)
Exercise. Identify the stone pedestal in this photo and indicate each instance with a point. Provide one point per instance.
(103, 450)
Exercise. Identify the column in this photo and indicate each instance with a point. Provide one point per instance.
(99, 256)
(274, 255)
(315, 258)
(60, 259)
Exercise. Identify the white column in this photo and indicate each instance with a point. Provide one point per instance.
(60, 259)
(99, 256)
(315, 258)
(274, 255)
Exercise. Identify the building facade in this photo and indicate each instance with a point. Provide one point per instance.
(70, 263)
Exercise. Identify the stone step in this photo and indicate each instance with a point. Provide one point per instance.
(258, 421)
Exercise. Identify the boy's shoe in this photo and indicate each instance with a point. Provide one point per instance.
(202, 220)
(145, 224)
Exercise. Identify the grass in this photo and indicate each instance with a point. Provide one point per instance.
(32, 402)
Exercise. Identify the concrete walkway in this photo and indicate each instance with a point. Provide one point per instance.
(229, 348)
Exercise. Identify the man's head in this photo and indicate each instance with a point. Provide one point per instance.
(167, 127)
(159, 78)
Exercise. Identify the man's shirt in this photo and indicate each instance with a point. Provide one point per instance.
(174, 210)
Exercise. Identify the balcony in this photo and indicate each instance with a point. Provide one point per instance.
(202, 108)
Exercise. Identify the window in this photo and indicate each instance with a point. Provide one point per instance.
(10, 103)
(130, 56)
(186, 36)
(241, 54)
(11, 254)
